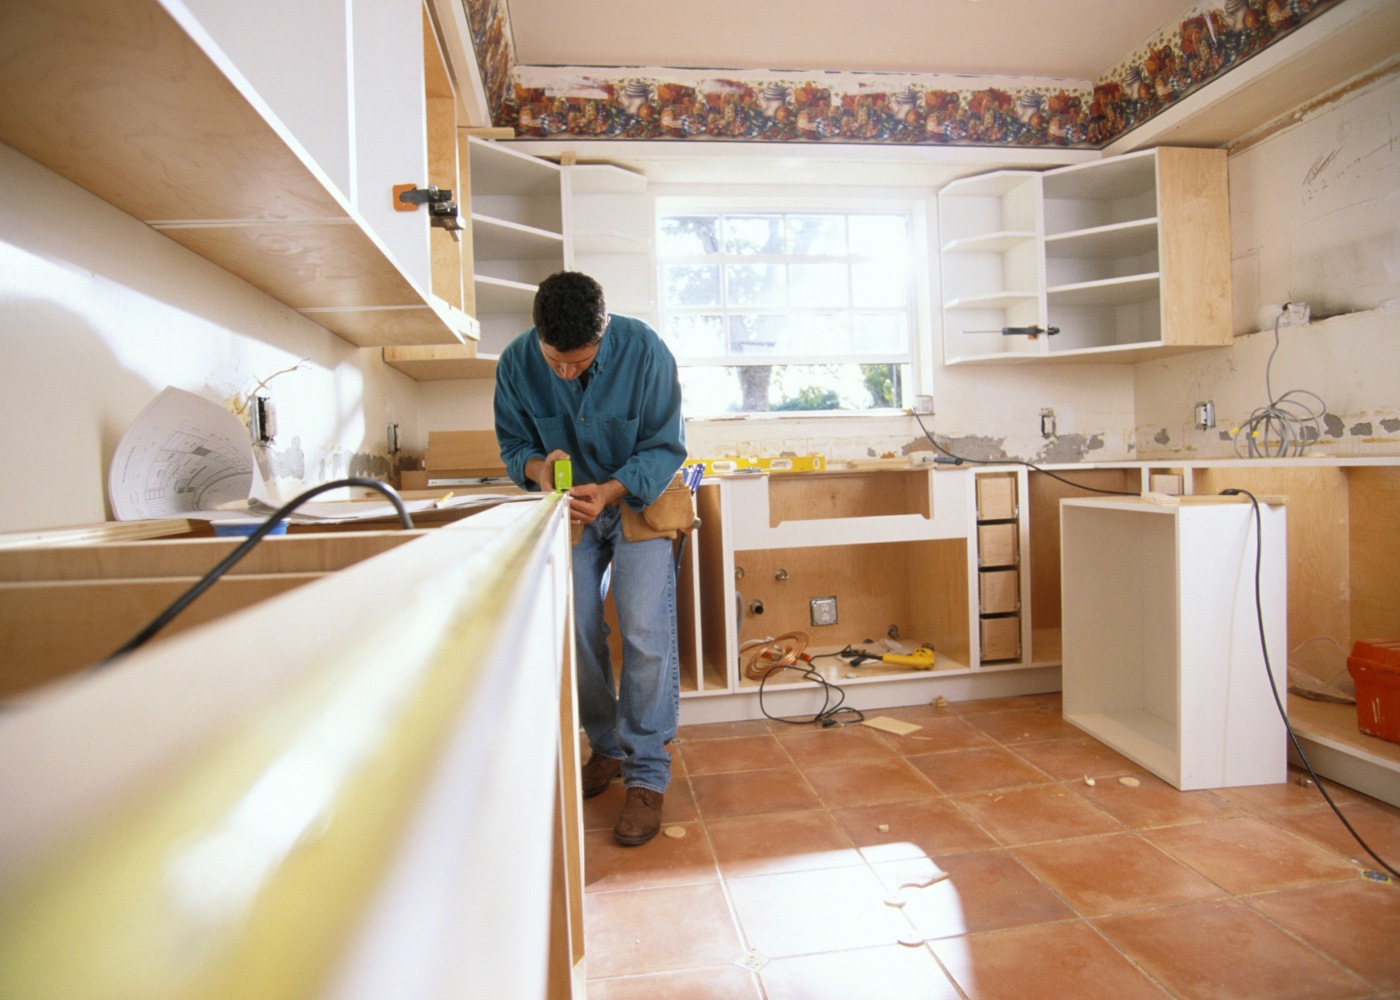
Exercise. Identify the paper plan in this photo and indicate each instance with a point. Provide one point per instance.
(183, 456)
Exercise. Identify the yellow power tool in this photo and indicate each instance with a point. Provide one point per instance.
(920, 659)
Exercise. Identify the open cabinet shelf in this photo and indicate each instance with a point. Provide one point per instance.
(1109, 244)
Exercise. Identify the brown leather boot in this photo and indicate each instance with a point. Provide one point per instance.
(597, 773)
(640, 819)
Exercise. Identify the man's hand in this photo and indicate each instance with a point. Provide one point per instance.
(586, 502)
(541, 470)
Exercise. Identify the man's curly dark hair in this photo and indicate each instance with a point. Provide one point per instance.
(569, 311)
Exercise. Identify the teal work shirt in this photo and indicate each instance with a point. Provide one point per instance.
(626, 425)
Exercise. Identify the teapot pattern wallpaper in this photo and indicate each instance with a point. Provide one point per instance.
(690, 105)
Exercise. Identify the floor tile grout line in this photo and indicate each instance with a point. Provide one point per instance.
(1242, 808)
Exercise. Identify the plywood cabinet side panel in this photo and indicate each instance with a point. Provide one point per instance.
(51, 630)
(1194, 245)
(1045, 494)
(1319, 546)
(1374, 502)
(443, 169)
(716, 587)
(464, 205)
(333, 264)
(940, 601)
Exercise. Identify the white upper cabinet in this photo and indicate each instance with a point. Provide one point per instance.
(1119, 259)
(265, 137)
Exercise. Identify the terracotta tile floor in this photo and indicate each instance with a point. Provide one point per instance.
(972, 859)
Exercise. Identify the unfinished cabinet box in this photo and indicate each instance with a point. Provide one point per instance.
(890, 546)
(120, 587)
(1162, 654)
(271, 158)
(990, 257)
(1132, 261)
(517, 240)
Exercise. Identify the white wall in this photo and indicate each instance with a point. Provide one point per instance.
(1314, 217)
(99, 312)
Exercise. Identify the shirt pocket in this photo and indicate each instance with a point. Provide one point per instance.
(555, 432)
(617, 439)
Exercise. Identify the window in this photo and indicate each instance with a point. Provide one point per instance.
(787, 310)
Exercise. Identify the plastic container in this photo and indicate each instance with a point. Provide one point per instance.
(242, 529)
(1375, 668)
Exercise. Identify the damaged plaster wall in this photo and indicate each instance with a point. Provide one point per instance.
(99, 313)
(1314, 218)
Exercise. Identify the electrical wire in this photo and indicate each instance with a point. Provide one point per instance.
(1273, 684)
(785, 652)
(1281, 429)
(959, 460)
(227, 563)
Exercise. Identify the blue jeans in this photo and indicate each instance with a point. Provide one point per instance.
(632, 722)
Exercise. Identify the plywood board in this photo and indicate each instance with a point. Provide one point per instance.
(463, 450)
(1374, 507)
(1319, 545)
(173, 557)
(50, 630)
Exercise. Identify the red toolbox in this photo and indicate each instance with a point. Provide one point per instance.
(1374, 666)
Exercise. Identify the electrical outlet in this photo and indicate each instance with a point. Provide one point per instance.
(262, 420)
(1047, 423)
(1205, 415)
(1285, 314)
(824, 611)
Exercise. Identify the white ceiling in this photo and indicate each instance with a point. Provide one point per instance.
(1074, 39)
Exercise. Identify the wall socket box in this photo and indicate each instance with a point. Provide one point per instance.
(824, 611)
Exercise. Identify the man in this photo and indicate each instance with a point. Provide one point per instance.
(602, 392)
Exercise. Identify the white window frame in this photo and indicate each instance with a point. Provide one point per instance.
(915, 303)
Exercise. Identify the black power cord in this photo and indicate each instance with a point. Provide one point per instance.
(273, 519)
(828, 713)
(959, 460)
(1273, 685)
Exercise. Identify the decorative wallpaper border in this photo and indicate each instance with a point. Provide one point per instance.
(876, 108)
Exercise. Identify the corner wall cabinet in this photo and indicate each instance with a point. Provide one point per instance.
(165, 109)
(1093, 251)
